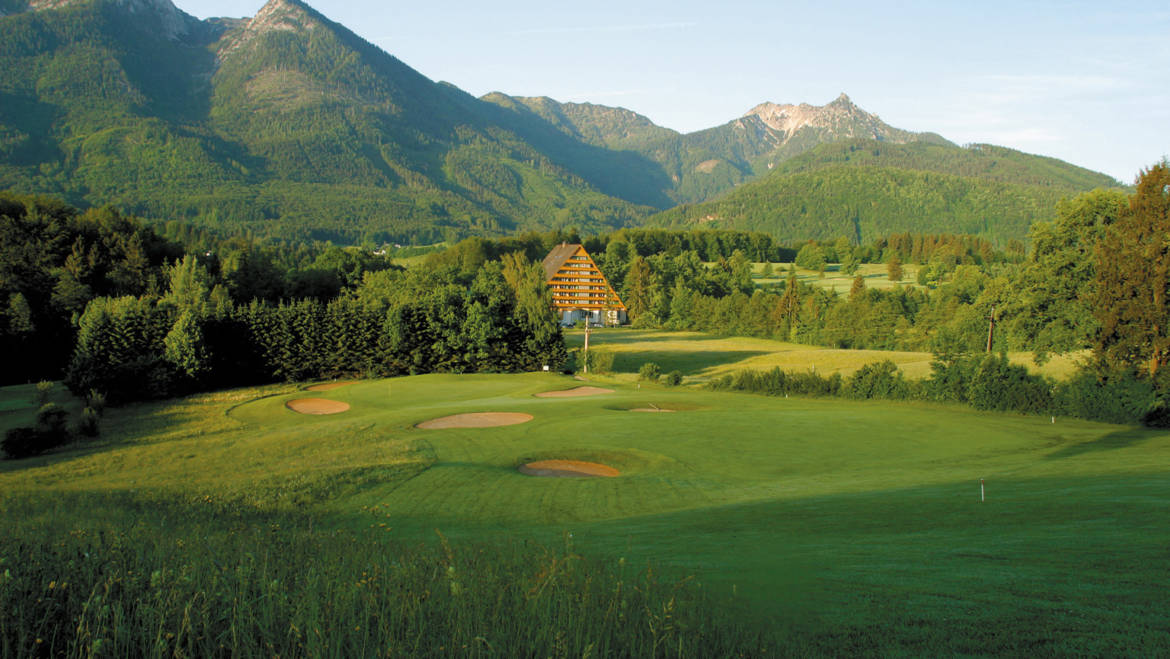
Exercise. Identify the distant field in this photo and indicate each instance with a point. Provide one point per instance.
(702, 356)
(875, 274)
(850, 527)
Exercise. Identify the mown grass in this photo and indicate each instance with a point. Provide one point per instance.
(844, 527)
(876, 276)
(703, 357)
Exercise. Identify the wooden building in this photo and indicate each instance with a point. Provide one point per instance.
(579, 290)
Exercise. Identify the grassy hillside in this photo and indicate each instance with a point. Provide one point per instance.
(846, 527)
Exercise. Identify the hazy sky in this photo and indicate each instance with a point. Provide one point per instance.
(1087, 82)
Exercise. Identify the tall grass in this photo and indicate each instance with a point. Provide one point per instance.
(112, 575)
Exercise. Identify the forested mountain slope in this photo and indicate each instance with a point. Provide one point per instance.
(285, 117)
(863, 189)
(289, 124)
(702, 165)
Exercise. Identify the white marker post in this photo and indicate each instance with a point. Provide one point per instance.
(982, 493)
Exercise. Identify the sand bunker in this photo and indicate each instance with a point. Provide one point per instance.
(649, 409)
(328, 386)
(476, 420)
(568, 469)
(573, 393)
(316, 406)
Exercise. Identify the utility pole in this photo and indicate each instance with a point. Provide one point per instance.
(585, 359)
(991, 329)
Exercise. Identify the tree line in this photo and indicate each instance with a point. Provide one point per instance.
(393, 323)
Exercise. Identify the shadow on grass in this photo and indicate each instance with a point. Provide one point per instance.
(687, 362)
(600, 338)
(1112, 441)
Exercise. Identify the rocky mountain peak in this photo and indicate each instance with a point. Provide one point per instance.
(841, 117)
(274, 16)
(843, 101)
(288, 15)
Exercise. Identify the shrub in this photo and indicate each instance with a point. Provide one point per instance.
(44, 391)
(601, 361)
(87, 425)
(1001, 386)
(778, 383)
(51, 419)
(674, 378)
(950, 379)
(21, 443)
(26, 442)
(649, 371)
(1115, 397)
(882, 380)
(96, 401)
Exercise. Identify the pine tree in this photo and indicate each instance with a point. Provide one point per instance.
(894, 268)
(186, 350)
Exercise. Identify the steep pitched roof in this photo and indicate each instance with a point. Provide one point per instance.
(556, 258)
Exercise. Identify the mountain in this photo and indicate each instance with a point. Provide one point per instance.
(702, 165)
(289, 124)
(863, 189)
(283, 123)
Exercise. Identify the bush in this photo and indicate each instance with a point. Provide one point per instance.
(950, 379)
(44, 391)
(600, 361)
(27, 442)
(51, 419)
(1000, 386)
(96, 401)
(674, 378)
(1115, 397)
(778, 383)
(87, 425)
(21, 443)
(649, 371)
(882, 380)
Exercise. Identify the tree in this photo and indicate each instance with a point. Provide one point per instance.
(1132, 297)
(189, 285)
(1050, 309)
(185, 349)
(850, 261)
(858, 288)
(641, 285)
(894, 268)
(811, 257)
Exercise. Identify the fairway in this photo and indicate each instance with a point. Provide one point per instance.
(839, 519)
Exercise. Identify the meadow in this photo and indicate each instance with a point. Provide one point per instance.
(740, 525)
(876, 276)
(702, 357)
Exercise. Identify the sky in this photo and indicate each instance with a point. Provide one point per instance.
(1086, 82)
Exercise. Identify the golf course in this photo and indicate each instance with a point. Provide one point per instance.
(831, 525)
